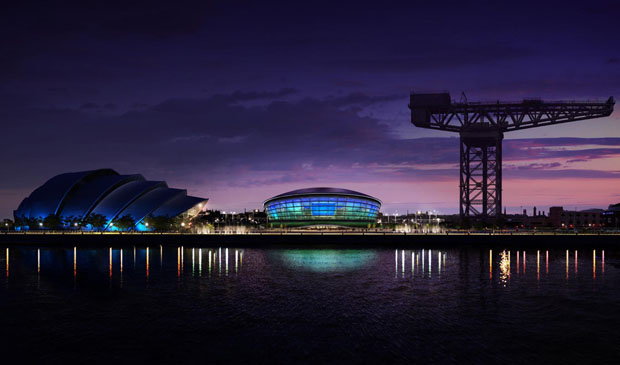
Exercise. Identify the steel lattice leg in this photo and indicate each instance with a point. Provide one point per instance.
(481, 174)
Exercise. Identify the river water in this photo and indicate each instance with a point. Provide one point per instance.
(184, 304)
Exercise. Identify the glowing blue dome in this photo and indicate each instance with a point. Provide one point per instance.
(322, 206)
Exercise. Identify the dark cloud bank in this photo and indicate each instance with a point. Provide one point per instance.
(220, 141)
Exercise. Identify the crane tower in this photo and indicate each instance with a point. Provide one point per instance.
(481, 126)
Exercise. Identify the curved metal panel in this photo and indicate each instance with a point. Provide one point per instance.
(178, 205)
(23, 210)
(119, 199)
(95, 174)
(46, 199)
(149, 202)
(82, 200)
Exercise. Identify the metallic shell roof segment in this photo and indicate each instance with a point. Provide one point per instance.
(178, 205)
(321, 191)
(80, 203)
(48, 198)
(150, 201)
(113, 204)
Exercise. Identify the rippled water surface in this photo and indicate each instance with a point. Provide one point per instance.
(176, 304)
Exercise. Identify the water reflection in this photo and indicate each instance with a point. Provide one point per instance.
(504, 267)
(200, 262)
(327, 260)
(490, 264)
(430, 263)
(538, 264)
(575, 262)
(433, 265)
(178, 261)
(427, 263)
(121, 268)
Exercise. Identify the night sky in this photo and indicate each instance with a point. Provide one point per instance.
(238, 101)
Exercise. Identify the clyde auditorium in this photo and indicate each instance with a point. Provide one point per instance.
(106, 192)
(322, 207)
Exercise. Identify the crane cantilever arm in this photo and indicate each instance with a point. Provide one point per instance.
(435, 111)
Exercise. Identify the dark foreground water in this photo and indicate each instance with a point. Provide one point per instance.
(181, 304)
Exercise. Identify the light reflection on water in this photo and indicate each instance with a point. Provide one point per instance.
(317, 304)
(420, 262)
(327, 260)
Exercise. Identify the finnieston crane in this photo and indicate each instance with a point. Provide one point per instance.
(481, 126)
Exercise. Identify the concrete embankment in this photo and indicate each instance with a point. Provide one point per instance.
(316, 240)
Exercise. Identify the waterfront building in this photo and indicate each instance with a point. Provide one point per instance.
(561, 218)
(322, 207)
(611, 217)
(72, 198)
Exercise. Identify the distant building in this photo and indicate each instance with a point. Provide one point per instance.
(538, 220)
(572, 218)
(322, 207)
(72, 197)
(611, 217)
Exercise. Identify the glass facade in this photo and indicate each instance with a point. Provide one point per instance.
(322, 209)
